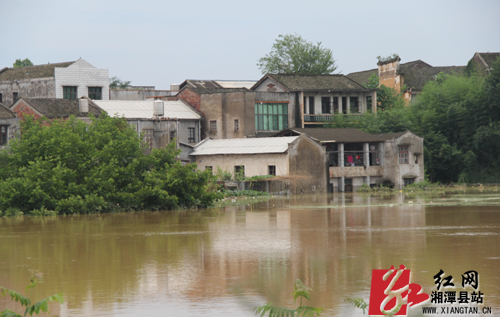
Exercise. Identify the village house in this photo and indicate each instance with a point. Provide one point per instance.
(226, 106)
(356, 157)
(482, 62)
(308, 100)
(70, 80)
(160, 122)
(9, 125)
(299, 161)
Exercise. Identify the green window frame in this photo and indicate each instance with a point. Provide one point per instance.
(70, 92)
(95, 93)
(271, 116)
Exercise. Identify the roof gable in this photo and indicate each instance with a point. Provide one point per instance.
(31, 72)
(6, 113)
(217, 86)
(58, 108)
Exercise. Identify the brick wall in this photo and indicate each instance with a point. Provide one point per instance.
(22, 109)
(83, 75)
(191, 98)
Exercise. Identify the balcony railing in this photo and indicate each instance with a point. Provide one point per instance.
(332, 117)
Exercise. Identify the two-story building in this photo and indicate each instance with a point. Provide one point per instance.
(356, 157)
(70, 80)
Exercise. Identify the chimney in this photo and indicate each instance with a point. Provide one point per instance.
(83, 105)
(159, 107)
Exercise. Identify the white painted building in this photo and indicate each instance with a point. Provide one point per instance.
(69, 80)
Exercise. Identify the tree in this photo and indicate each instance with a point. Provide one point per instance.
(116, 83)
(72, 167)
(22, 63)
(293, 54)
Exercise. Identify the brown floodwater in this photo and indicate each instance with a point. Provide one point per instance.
(226, 261)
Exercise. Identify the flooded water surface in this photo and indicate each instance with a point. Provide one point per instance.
(226, 261)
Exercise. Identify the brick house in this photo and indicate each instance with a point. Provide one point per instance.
(70, 80)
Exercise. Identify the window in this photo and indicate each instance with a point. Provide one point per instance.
(311, 105)
(69, 92)
(403, 154)
(353, 154)
(14, 97)
(191, 138)
(271, 116)
(172, 135)
(325, 105)
(148, 138)
(408, 181)
(239, 172)
(1, 98)
(213, 126)
(209, 168)
(3, 134)
(272, 170)
(94, 93)
(236, 125)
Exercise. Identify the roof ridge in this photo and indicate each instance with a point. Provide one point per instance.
(40, 65)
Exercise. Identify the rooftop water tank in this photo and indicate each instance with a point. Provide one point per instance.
(83, 105)
(159, 108)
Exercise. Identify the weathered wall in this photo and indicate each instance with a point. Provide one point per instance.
(255, 164)
(83, 75)
(394, 171)
(387, 72)
(12, 129)
(161, 130)
(23, 109)
(135, 94)
(308, 166)
(191, 98)
(31, 88)
(211, 108)
(269, 85)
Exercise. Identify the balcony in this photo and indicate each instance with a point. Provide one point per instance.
(355, 171)
(322, 118)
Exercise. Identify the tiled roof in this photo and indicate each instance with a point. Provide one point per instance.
(417, 77)
(294, 82)
(489, 58)
(143, 109)
(217, 86)
(363, 77)
(243, 146)
(60, 108)
(345, 135)
(30, 72)
(6, 113)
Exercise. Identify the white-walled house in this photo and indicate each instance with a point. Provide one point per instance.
(69, 80)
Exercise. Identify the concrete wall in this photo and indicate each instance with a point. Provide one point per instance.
(31, 88)
(225, 108)
(135, 94)
(387, 72)
(162, 130)
(255, 164)
(394, 171)
(83, 75)
(269, 85)
(13, 126)
(308, 166)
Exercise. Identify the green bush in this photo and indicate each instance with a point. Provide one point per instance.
(71, 167)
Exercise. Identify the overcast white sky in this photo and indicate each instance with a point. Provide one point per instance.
(164, 42)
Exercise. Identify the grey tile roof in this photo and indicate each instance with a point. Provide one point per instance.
(217, 86)
(363, 77)
(30, 72)
(60, 108)
(294, 82)
(345, 135)
(417, 77)
(489, 58)
(6, 113)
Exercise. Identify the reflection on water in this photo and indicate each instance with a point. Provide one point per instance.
(224, 262)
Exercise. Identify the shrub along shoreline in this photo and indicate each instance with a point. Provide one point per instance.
(70, 167)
